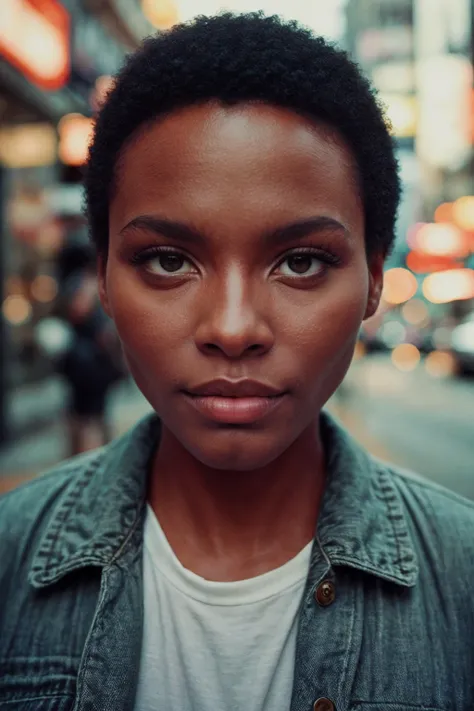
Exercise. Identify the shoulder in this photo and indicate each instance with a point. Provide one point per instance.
(441, 522)
(41, 492)
(77, 500)
(26, 511)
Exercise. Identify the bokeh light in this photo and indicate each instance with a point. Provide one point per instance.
(399, 286)
(359, 351)
(44, 288)
(463, 212)
(162, 14)
(416, 312)
(75, 134)
(444, 212)
(392, 333)
(441, 240)
(440, 364)
(453, 285)
(17, 309)
(406, 357)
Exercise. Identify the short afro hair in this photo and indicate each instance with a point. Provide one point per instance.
(238, 58)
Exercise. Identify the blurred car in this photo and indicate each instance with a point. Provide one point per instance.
(462, 345)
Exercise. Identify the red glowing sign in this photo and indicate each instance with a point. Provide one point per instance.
(34, 37)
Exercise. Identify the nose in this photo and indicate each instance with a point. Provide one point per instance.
(233, 323)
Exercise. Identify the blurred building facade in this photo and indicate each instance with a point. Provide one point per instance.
(419, 56)
(56, 58)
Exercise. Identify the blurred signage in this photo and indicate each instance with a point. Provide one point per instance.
(28, 145)
(442, 26)
(444, 125)
(382, 44)
(34, 37)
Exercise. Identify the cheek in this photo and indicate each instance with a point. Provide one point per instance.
(150, 324)
(326, 331)
(333, 315)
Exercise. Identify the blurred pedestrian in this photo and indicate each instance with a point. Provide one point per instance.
(92, 362)
(237, 549)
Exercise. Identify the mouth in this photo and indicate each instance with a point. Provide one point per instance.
(235, 402)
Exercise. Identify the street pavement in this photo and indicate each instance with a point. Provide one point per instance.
(423, 423)
(413, 420)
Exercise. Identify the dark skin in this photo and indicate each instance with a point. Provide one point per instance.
(265, 277)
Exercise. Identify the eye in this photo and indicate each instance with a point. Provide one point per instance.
(162, 262)
(303, 264)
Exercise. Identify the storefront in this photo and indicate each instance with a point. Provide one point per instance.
(51, 55)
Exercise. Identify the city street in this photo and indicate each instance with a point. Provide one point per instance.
(414, 420)
(417, 421)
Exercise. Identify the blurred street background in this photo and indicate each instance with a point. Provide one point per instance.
(409, 396)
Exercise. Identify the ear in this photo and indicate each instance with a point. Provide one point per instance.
(102, 282)
(376, 264)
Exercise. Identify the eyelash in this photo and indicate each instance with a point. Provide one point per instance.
(146, 255)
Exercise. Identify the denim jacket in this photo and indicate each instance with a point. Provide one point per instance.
(386, 620)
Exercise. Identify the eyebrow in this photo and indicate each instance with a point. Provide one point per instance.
(162, 226)
(302, 228)
(182, 232)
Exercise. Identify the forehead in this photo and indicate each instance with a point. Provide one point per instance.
(213, 162)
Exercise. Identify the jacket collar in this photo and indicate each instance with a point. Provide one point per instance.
(361, 523)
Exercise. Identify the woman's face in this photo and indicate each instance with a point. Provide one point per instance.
(236, 252)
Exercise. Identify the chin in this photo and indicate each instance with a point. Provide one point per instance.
(242, 451)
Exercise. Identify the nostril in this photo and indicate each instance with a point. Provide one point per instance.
(211, 347)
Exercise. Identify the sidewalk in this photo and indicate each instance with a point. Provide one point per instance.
(35, 453)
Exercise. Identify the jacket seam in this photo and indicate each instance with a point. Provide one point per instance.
(62, 515)
(393, 516)
(443, 493)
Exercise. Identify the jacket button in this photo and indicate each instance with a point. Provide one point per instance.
(325, 595)
(324, 705)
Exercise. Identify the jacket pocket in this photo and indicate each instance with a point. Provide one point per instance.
(388, 706)
(46, 684)
(40, 703)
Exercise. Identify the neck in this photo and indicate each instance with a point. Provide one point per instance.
(227, 525)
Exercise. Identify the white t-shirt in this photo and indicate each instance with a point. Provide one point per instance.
(211, 646)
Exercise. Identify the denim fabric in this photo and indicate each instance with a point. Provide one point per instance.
(397, 637)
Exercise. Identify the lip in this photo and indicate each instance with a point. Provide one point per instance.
(238, 402)
(245, 388)
(234, 410)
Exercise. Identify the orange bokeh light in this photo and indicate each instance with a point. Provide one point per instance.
(463, 213)
(399, 286)
(75, 133)
(162, 14)
(444, 213)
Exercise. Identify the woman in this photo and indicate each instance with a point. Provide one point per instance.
(238, 550)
